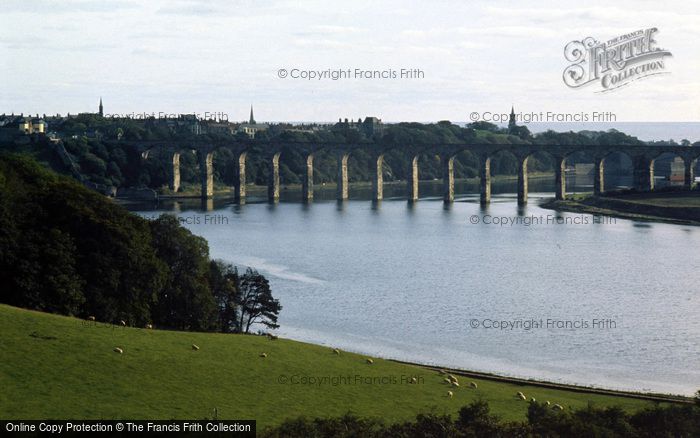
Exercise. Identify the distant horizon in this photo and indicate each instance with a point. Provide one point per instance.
(242, 119)
(332, 121)
(656, 131)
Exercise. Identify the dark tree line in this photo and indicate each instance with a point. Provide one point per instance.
(85, 139)
(475, 420)
(65, 249)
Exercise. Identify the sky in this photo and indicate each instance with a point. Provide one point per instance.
(193, 56)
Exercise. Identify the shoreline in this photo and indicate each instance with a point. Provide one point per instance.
(651, 396)
(531, 381)
(672, 207)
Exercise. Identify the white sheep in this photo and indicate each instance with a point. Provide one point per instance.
(149, 326)
(533, 399)
(195, 347)
(521, 396)
(336, 351)
(118, 350)
(448, 381)
(455, 384)
(122, 322)
(263, 354)
(449, 394)
(473, 385)
(558, 407)
(91, 318)
(547, 403)
(369, 361)
(414, 380)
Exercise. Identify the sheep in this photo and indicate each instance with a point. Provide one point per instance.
(448, 381)
(336, 351)
(369, 361)
(263, 354)
(149, 326)
(414, 380)
(118, 350)
(558, 407)
(532, 399)
(451, 377)
(91, 318)
(473, 385)
(449, 394)
(195, 347)
(547, 403)
(521, 396)
(122, 322)
(455, 384)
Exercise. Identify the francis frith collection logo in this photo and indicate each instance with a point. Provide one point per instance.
(614, 63)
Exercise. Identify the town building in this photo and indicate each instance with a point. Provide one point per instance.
(33, 126)
(252, 127)
(25, 125)
(371, 127)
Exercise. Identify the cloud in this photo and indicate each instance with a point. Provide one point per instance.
(40, 43)
(65, 6)
(482, 32)
(342, 30)
(220, 8)
(192, 53)
(190, 9)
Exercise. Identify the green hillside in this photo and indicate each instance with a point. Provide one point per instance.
(60, 367)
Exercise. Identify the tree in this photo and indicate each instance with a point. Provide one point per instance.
(256, 302)
(477, 419)
(92, 164)
(223, 279)
(67, 249)
(522, 132)
(484, 126)
(185, 302)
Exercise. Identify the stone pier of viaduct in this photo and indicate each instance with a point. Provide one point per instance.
(642, 157)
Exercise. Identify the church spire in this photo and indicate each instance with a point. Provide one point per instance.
(252, 119)
(511, 120)
(101, 110)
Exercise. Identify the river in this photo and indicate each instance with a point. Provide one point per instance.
(524, 292)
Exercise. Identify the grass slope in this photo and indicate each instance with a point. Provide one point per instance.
(59, 367)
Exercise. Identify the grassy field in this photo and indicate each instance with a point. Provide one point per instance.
(59, 367)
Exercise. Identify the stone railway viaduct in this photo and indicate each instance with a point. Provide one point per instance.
(642, 157)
